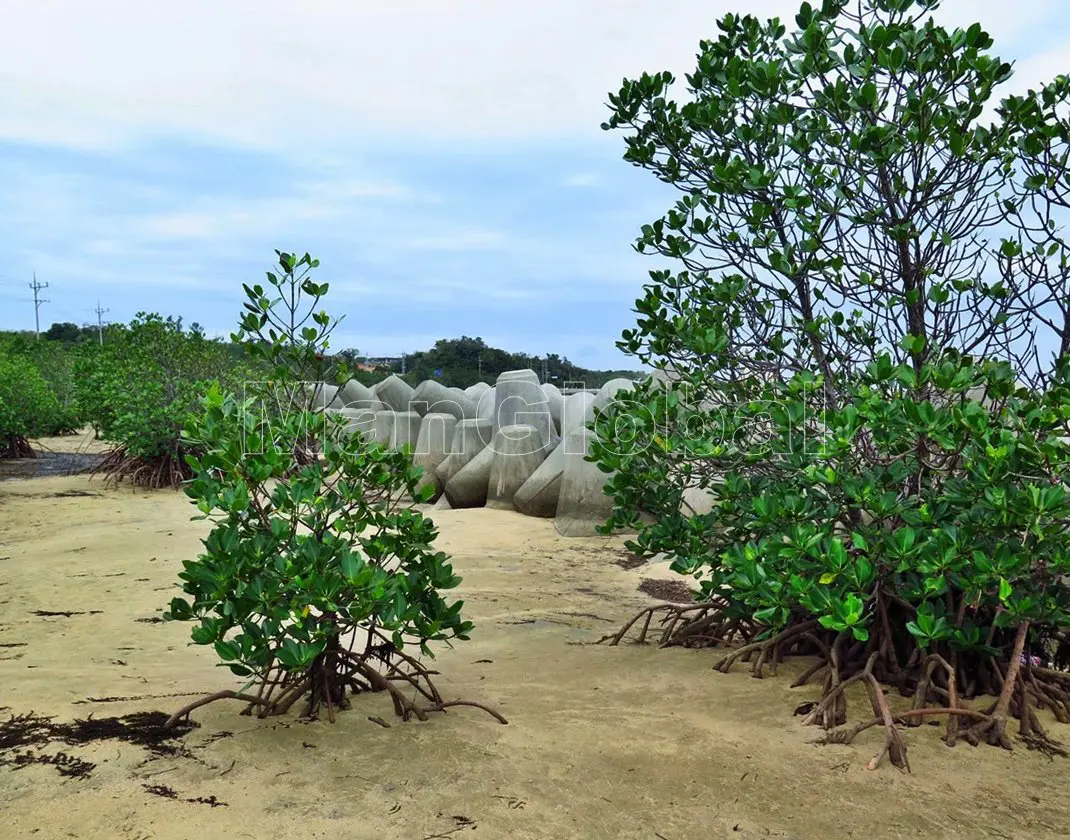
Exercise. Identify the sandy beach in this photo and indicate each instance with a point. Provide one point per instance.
(602, 742)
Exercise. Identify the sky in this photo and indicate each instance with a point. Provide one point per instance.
(442, 158)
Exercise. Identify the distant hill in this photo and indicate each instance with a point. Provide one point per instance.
(460, 362)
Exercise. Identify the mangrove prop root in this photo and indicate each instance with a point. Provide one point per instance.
(913, 714)
(325, 683)
(679, 624)
(496, 715)
(936, 679)
(893, 747)
(834, 697)
(932, 681)
(211, 698)
(994, 730)
(763, 648)
(169, 470)
(1034, 740)
(15, 446)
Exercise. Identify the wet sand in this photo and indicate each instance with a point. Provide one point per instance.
(61, 455)
(626, 742)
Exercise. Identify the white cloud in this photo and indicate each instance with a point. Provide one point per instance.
(100, 216)
(326, 81)
(580, 179)
(1006, 22)
(75, 275)
(318, 75)
(347, 188)
(1040, 68)
(227, 219)
(283, 74)
(475, 239)
(181, 226)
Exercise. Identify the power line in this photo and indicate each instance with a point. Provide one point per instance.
(100, 324)
(37, 304)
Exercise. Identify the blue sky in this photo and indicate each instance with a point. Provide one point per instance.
(442, 159)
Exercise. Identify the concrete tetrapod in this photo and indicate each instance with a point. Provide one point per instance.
(358, 420)
(518, 452)
(611, 390)
(468, 486)
(431, 396)
(383, 426)
(518, 400)
(406, 429)
(470, 437)
(395, 392)
(554, 402)
(476, 391)
(355, 395)
(324, 396)
(540, 493)
(485, 406)
(525, 375)
(582, 505)
(432, 445)
(443, 472)
(577, 411)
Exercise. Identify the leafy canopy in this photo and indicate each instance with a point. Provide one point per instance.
(28, 407)
(137, 387)
(856, 437)
(313, 542)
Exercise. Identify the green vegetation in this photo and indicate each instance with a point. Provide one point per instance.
(860, 445)
(137, 387)
(464, 361)
(134, 383)
(36, 393)
(317, 575)
(28, 407)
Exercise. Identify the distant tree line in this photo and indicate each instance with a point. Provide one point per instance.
(456, 362)
(134, 383)
(460, 362)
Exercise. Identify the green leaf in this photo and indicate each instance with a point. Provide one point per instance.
(227, 651)
(830, 623)
(351, 565)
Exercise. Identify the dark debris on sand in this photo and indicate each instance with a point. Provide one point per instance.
(24, 737)
(626, 560)
(673, 591)
(170, 793)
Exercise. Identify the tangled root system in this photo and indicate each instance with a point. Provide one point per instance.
(15, 446)
(938, 682)
(381, 667)
(169, 470)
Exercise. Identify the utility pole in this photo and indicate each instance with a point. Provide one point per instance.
(37, 304)
(480, 367)
(100, 324)
(402, 364)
